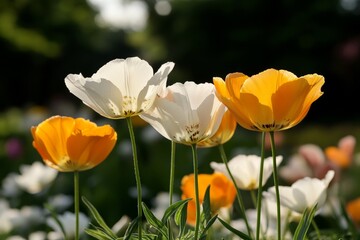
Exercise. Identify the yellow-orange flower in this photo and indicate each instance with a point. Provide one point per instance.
(67, 144)
(353, 209)
(272, 100)
(224, 133)
(222, 192)
(343, 154)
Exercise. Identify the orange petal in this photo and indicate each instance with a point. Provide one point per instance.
(288, 102)
(260, 117)
(338, 157)
(266, 83)
(50, 138)
(353, 209)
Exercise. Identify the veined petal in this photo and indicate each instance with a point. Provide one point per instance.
(100, 95)
(287, 102)
(89, 145)
(68, 144)
(171, 120)
(130, 75)
(260, 116)
(156, 86)
(234, 82)
(316, 82)
(231, 102)
(160, 78)
(50, 138)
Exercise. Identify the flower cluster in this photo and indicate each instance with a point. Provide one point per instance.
(238, 200)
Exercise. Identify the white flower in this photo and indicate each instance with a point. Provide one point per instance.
(34, 178)
(268, 220)
(121, 88)
(39, 235)
(20, 219)
(68, 222)
(187, 114)
(5, 223)
(60, 202)
(246, 169)
(304, 193)
(16, 237)
(9, 186)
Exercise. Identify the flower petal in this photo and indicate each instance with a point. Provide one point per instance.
(287, 102)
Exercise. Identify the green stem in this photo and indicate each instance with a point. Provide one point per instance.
(76, 203)
(238, 195)
(253, 197)
(259, 196)
(276, 184)
(313, 223)
(172, 171)
(171, 186)
(137, 174)
(196, 186)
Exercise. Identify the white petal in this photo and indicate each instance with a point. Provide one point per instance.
(100, 95)
(130, 75)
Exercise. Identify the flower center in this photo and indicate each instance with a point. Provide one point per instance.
(193, 131)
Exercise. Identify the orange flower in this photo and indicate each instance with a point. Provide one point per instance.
(224, 133)
(222, 192)
(67, 144)
(272, 100)
(353, 209)
(342, 155)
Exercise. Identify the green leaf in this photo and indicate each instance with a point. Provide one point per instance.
(304, 224)
(131, 228)
(98, 234)
(172, 209)
(153, 221)
(206, 204)
(208, 225)
(180, 218)
(98, 218)
(235, 231)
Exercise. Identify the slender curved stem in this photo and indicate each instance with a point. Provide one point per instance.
(137, 174)
(76, 203)
(196, 186)
(259, 196)
(316, 228)
(172, 172)
(238, 195)
(276, 184)
(171, 185)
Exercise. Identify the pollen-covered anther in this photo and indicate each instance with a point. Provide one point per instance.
(193, 131)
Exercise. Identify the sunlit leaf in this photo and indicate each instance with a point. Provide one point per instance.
(304, 224)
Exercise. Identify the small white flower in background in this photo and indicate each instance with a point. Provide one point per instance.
(268, 220)
(245, 170)
(39, 235)
(9, 186)
(121, 225)
(121, 88)
(68, 222)
(304, 193)
(36, 177)
(60, 202)
(20, 219)
(5, 223)
(188, 113)
(15, 238)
